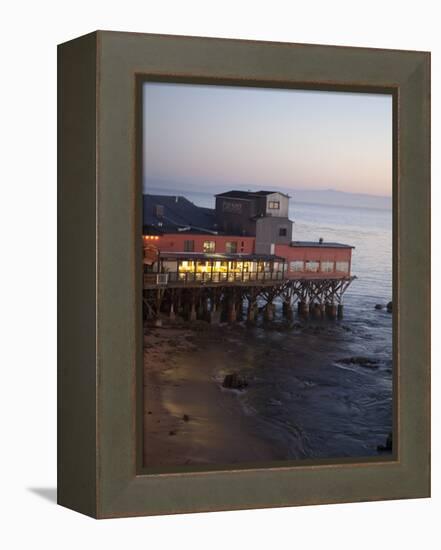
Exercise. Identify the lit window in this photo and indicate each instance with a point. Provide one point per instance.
(185, 266)
(231, 247)
(273, 205)
(209, 246)
(188, 246)
(312, 266)
(296, 265)
(282, 231)
(327, 266)
(342, 267)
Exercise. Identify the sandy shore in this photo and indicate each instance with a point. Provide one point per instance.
(189, 417)
(309, 394)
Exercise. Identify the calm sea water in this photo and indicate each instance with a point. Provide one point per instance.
(321, 407)
(303, 398)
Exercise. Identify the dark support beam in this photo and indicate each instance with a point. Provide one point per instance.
(320, 298)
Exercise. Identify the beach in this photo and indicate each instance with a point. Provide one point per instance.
(189, 417)
(308, 395)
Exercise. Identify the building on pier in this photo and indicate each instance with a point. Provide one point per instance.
(243, 250)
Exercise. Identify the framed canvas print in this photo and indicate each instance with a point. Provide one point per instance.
(244, 259)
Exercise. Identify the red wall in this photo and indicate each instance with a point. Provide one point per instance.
(174, 242)
(317, 254)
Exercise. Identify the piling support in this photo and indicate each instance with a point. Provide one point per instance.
(193, 315)
(340, 311)
(172, 315)
(268, 312)
(316, 311)
(251, 313)
(215, 314)
(331, 311)
(239, 309)
(202, 308)
(303, 309)
(214, 317)
(286, 308)
(232, 313)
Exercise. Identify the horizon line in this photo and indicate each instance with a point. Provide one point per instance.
(276, 190)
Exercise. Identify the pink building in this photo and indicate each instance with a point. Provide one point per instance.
(247, 236)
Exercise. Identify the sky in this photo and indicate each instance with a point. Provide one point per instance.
(224, 137)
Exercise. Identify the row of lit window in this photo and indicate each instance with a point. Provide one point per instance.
(210, 247)
(207, 247)
(246, 265)
(314, 266)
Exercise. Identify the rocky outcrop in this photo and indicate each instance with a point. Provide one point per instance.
(234, 382)
(388, 307)
(367, 362)
(387, 448)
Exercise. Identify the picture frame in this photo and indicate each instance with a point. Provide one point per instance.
(99, 312)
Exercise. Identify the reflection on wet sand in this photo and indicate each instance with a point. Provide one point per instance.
(303, 398)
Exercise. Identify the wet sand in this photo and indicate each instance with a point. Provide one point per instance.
(305, 398)
(189, 417)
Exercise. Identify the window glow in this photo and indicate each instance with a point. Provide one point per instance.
(312, 266)
(296, 265)
(327, 266)
(343, 267)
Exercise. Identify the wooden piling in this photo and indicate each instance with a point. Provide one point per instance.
(316, 311)
(193, 315)
(340, 311)
(303, 309)
(331, 311)
(217, 302)
(172, 315)
(251, 312)
(268, 312)
(232, 313)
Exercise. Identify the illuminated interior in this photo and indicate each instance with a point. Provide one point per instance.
(230, 266)
(215, 270)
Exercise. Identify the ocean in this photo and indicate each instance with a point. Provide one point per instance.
(304, 396)
(323, 407)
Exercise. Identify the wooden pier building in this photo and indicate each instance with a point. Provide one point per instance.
(237, 259)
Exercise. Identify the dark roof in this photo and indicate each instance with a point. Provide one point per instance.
(318, 244)
(219, 256)
(247, 195)
(263, 193)
(164, 230)
(174, 213)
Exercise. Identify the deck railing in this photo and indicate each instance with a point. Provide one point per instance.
(189, 277)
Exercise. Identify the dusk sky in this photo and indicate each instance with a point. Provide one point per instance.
(255, 138)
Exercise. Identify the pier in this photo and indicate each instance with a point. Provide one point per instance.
(213, 300)
(237, 261)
